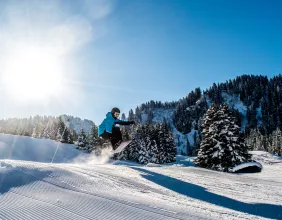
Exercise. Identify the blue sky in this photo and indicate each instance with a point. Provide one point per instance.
(123, 53)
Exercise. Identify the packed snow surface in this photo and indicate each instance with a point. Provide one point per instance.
(88, 187)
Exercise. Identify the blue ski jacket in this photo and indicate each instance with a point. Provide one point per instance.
(108, 123)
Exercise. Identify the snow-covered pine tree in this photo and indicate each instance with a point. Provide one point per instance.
(48, 129)
(29, 127)
(209, 139)
(276, 142)
(161, 140)
(153, 143)
(20, 127)
(81, 141)
(153, 152)
(143, 156)
(37, 130)
(61, 130)
(222, 145)
(148, 152)
(169, 147)
(136, 143)
(93, 139)
(256, 140)
(144, 143)
(63, 134)
(136, 147)
(131, 115)
(125, 154)
(236, 151)
(54, 129)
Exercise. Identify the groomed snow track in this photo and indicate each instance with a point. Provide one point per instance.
(44, 191)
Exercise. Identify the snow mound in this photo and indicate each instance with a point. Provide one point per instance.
(247, 167)
(265, 157)
(15, 147)
(153, 165)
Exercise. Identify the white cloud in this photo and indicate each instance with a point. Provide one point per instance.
(65, 25)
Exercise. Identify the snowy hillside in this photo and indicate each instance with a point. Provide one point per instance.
(180, 139)
(77, 124)
(89, 189)
(159, 114)
(265, 157)
(234, 102)
(38, 150)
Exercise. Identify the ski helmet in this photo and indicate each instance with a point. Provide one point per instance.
(115, 110)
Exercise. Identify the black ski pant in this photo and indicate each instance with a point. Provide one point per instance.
(115, 137)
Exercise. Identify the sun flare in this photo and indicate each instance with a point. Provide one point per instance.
(32, 73)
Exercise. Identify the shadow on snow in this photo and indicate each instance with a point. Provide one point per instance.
(17, 177)
(200, 193)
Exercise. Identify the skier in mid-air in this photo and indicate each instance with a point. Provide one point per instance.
(108, 129)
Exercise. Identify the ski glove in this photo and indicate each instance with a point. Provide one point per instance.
(124, 122)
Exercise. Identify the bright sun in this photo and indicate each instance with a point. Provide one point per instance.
(32, 74)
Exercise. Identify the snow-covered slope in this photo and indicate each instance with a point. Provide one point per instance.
(39, 150)
(265, 157)
(125, 190)
(234, 102)
(77, 124)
